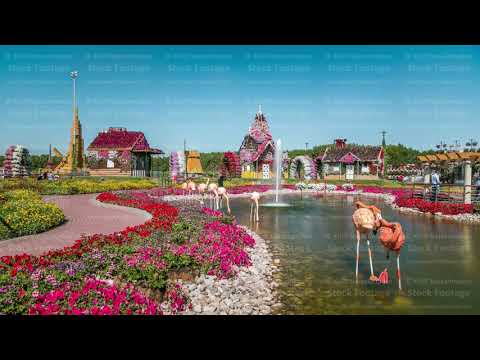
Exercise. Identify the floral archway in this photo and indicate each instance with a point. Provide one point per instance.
(308, 166)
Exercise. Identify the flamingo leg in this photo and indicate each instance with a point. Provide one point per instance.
(251, 211)
(227, 200)
(256, 210)
(372, 275)
(398, 272)
(358, 256)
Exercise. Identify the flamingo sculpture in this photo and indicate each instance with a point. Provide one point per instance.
(202, 187)
(184, 188)
(254, 203)
(392, 238)
(365, 219)
(222, 193)
(212, 188)
(191, 187)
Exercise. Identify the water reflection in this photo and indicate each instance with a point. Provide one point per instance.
(314, 240)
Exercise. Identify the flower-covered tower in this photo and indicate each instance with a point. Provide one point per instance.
(258, 149)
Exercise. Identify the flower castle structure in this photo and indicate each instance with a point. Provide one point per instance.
(257, 150)
(120, 152)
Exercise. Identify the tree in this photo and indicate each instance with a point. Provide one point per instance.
(211, 162)
(396, 155)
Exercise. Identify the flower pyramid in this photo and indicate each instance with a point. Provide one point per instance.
(16, 163)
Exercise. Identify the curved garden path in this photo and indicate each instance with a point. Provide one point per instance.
(84, 215)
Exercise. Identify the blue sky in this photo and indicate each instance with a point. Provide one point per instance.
(208, 95)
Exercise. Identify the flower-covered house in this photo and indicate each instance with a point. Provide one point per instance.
(118, 152)
(258, 149)
(350, 162)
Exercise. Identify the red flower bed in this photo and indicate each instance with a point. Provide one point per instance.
(434, 207)
(403, 198)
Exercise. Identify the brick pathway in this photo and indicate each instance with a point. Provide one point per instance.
(84, 215)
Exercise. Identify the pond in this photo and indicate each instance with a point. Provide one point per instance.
(315, 243)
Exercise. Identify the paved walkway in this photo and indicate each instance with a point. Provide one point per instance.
(85, 215)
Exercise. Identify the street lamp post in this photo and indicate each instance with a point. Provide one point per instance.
(74, 75)
(471, 145)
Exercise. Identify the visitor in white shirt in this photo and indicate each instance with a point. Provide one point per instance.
(435, 179)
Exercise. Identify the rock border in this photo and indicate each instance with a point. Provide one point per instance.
(252, 291)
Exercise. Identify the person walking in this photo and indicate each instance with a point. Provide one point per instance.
(435, 180)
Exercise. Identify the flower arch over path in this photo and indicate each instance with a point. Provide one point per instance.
(308, 165)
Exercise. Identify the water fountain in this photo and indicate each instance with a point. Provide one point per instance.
(278, 176)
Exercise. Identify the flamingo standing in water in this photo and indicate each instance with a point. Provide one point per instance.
(365, 219)
(254, 197)
(222, 193)
(191, 187)
(184, 190)
(202, 187)
(212, 188)
(392, 238)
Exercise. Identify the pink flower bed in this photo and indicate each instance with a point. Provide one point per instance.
(219, 249)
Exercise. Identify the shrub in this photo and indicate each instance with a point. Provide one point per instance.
(4, 232)
(25, 217)
(22, 195)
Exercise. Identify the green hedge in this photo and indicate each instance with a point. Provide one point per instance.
(4, 232)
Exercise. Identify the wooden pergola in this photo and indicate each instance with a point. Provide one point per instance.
(465, 158)
(449, 157)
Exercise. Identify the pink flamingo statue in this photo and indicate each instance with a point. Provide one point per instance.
(392, 238)
(365, 219)
(191, 187)
(222, 193)
(212, 188)
(254, 197)
(184, 190)
(202, 187)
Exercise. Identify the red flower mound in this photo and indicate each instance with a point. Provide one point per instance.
(434, 207)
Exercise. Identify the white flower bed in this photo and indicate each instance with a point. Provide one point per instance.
(315, 187)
